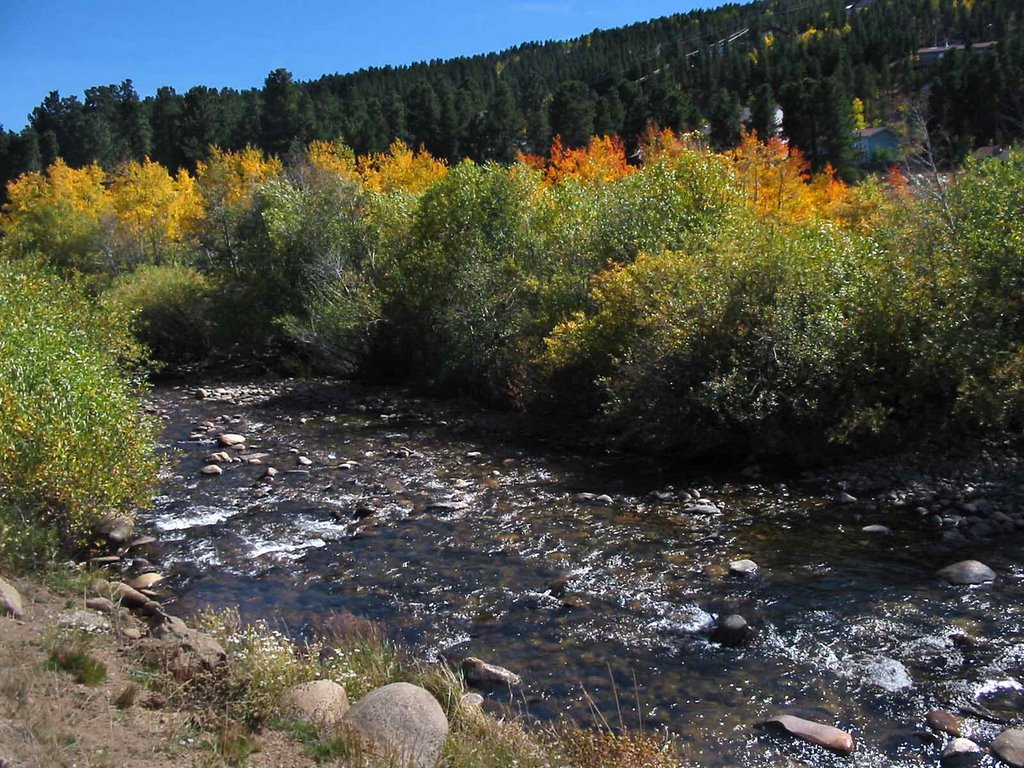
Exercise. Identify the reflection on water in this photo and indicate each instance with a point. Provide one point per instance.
(463, 544)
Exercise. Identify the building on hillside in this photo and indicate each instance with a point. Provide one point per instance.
(992, 150)
(934, 53)
(876, 145)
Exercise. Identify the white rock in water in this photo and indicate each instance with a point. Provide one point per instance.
(742, 568)
(212, 469)
(967, 572)
(230, 440)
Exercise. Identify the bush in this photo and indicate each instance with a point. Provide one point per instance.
(73, 446)
(170, 304)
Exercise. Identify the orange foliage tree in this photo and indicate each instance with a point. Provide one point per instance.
(604, 159)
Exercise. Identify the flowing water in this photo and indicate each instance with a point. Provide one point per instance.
(462, 543)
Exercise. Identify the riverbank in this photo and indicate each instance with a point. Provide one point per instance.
(89, 682)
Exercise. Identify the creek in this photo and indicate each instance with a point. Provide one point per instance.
(428, 518)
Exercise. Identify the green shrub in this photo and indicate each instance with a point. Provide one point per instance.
(73, 446)
(171, 306)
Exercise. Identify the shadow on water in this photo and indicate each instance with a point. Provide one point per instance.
(423, 517)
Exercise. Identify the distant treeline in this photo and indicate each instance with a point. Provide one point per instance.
(830, 66)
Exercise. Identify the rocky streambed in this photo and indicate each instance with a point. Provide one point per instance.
(707, 605)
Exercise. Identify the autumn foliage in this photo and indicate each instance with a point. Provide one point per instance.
(682, 298)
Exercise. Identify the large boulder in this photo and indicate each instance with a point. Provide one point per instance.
(321, 702)
(815, 733)
(402, 721)
(10, 601)
(967, 572)
(1008, 746)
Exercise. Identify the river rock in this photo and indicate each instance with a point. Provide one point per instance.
(141, 541)
(305, 461)
(876, 530)
(732, 631)
(1008, 746)
(185, 652)
(101, 604)
(131, 598)
(10, 601)
(404, 721)
(145, 581)
(815, 733)
(230, 440)
(321, 702)
(479, 672)
(116, 529)
(742, 568)
(961, 753)
(944, 722)
(212, 469)
(967, 572)
(846, 498)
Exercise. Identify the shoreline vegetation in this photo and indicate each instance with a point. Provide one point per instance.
(698, 304)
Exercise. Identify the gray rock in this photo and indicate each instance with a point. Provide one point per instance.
(321, 702)
(846, 498)
(404, 721)
(230, 440)
(10, 601)
(961, 753)
(967, 572)
(212, 469)
(1008, 746)
(732, 631)
(742, 568)
(479, 672)
(815, 733)
(703, 509)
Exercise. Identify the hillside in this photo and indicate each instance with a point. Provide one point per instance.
(830, 66)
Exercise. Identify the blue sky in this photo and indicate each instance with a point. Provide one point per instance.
(70, 45)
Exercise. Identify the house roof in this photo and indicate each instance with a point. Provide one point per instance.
(954, 47)
(867, 133)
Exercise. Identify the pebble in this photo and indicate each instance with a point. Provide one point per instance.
(212, 469)
(878, 530)
(231, 440)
